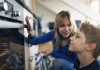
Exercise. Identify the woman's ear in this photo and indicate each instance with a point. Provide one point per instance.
(91, 47)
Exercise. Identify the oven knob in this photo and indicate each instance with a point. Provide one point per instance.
(16, 13)
(3, 6)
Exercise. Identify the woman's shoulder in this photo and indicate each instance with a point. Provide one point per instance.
(50, 33)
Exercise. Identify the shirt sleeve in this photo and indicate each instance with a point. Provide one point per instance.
(56, 54)
(41, 39)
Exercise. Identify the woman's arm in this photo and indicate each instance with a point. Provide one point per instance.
(32, 39)
(41, 39)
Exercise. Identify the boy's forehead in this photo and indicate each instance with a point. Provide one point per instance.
(79, 32)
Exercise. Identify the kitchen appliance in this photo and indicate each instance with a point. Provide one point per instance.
(11, 36)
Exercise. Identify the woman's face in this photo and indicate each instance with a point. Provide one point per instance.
(65, 28)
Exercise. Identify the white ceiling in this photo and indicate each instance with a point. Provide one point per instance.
(77, 5)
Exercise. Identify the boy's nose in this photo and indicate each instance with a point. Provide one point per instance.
(71, 38)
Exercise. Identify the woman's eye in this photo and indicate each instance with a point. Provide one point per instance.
(62, 25)
(69, 25)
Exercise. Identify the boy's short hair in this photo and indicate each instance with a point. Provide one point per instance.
(92, 35)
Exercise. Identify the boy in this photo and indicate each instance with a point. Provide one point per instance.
(86, 44)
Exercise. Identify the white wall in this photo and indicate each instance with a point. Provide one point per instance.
(46, 15)
(49, 9)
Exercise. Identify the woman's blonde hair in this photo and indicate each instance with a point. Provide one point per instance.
(60, 17)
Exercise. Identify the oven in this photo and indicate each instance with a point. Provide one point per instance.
(11, 36)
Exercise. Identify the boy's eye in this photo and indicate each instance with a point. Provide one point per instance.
(77, 36)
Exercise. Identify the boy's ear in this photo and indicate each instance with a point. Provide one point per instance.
(91, 47)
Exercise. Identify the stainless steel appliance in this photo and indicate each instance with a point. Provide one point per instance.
(11, 36)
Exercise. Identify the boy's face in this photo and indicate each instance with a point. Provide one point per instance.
(78, 43)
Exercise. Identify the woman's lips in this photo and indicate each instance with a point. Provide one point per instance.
(66, 33)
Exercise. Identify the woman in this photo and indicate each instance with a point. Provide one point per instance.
(60, 39)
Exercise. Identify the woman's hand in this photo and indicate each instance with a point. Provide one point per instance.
(29, 28)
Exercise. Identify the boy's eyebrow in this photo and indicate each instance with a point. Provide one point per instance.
(77, 33)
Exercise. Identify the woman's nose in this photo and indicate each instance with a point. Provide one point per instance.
(66, 27)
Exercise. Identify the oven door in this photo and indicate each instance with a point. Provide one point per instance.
(11, 49)
(11, 44)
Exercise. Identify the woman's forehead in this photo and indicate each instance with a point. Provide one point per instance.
(66, 21)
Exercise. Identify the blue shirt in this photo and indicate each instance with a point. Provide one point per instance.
(62, 52)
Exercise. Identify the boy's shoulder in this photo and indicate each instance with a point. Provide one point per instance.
(95, 65)
(98, 62)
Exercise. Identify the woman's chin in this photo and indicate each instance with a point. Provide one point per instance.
(65, 36)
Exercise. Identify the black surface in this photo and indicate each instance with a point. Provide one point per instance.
(12, 35)
(10, 19)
